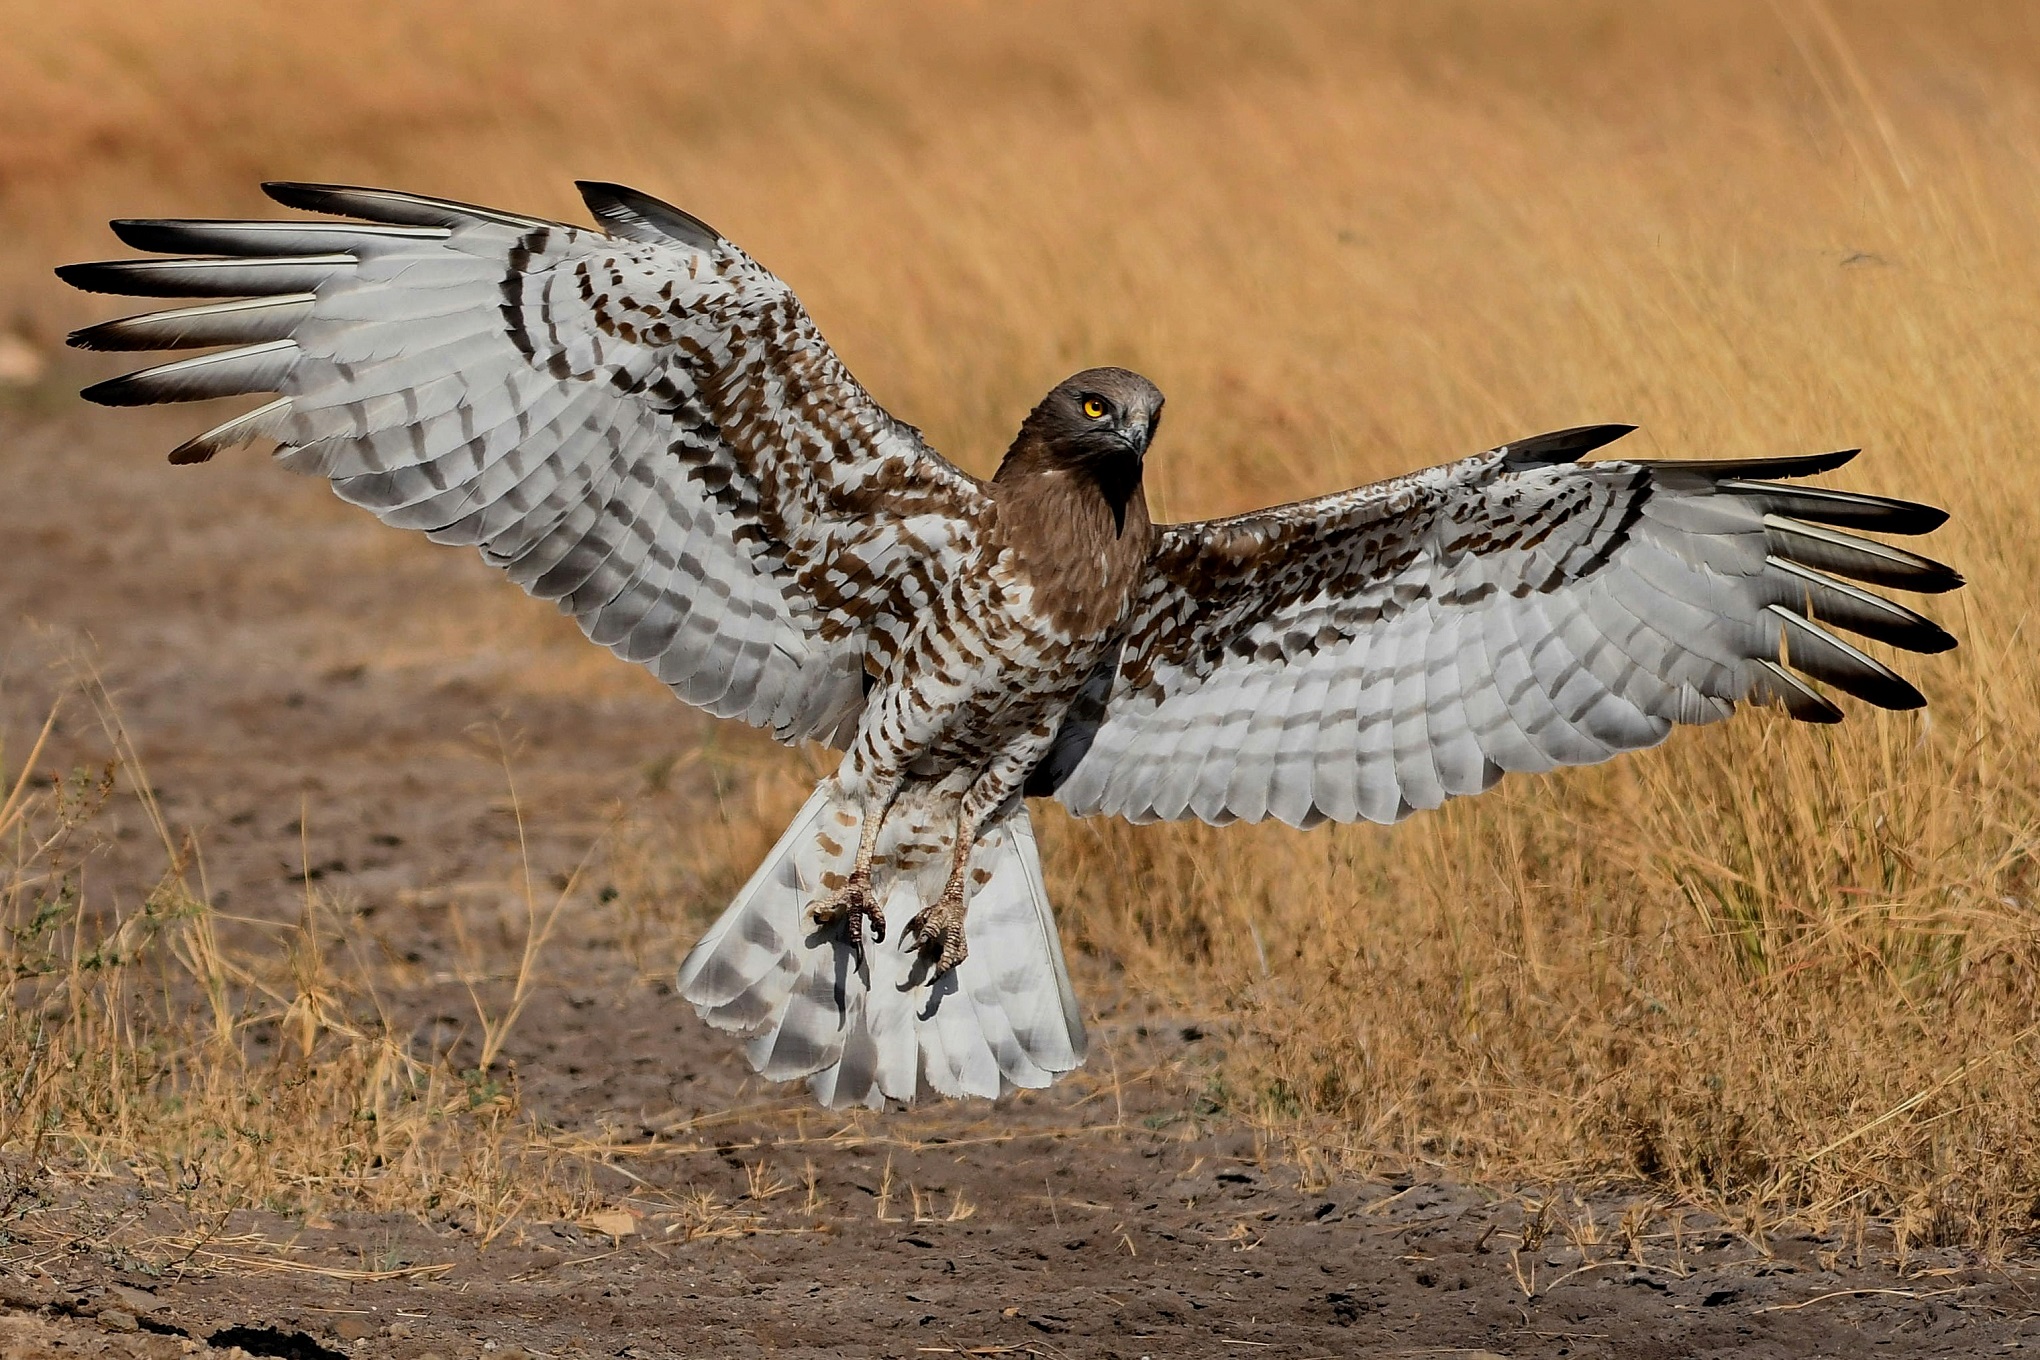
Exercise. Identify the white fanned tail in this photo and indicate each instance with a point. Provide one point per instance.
(865, 1031)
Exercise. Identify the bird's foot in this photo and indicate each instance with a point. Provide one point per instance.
(854, 905)
(939, 930)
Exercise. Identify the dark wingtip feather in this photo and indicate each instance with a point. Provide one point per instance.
(1901, 697)
(199, 236)
(97, 276)
(359, 201)
(1938, 578)
(1772, 684)
(146, 233)
(393, 206)
(1843, 509)
(1856, 558)
(117, 392)
(630, 213)
(1901, 628)
(1932, 640)
(1811, 464)
(1920, 519)
(306, 195)
(1795, 465)
(1807, 647)
(1889, 690)
(1562, 446)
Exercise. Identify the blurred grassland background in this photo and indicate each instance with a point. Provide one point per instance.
(1776, 969)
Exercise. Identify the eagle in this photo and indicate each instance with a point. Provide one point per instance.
(639, 422)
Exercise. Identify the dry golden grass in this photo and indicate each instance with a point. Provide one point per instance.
(1775, 969)
(144, 1046)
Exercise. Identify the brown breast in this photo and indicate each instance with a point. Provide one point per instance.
(1083, 551)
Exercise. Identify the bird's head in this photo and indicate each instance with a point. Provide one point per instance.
(1101, 421)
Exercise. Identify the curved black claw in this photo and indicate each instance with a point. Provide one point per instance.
(855, 905)
(939, 929)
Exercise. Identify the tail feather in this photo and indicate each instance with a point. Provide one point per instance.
(865, 1031)
(743, 947)
(1051, 1032)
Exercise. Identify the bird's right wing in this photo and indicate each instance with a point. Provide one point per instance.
(1370, 653)
(639, 423)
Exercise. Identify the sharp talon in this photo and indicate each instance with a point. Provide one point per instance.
(853, 906)
(939, 928)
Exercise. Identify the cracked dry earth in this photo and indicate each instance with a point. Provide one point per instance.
(306, 688)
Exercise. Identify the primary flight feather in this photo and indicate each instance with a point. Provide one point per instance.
(642, 424)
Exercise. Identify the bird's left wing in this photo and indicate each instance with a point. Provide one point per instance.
(637, 422)
(1370, 653)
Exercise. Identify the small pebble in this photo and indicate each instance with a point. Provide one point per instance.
(136, 1300)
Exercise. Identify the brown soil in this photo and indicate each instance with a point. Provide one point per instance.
(311, 690)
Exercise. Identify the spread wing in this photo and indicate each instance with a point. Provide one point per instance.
(1370, 653)
(639, 423)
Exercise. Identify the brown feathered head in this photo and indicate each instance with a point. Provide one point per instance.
(1101, 421)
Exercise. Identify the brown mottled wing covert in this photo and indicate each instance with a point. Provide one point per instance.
(1374, 652)
(643, 425)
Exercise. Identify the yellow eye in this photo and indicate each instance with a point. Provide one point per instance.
(1094, 408)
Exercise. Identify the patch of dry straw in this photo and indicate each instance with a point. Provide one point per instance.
(225, 1063)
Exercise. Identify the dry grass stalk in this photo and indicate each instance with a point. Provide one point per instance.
(141, 1046)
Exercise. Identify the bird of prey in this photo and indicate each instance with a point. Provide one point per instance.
(640, 423)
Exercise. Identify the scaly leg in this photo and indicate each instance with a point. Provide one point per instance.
(939, 925)
(855, 902)
(938, 928)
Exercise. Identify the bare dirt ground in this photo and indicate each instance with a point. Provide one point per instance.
(311, 691)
